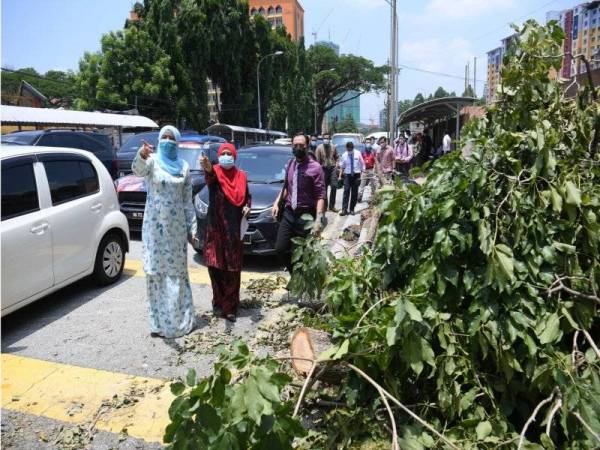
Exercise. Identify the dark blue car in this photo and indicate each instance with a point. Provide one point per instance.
(265, 167)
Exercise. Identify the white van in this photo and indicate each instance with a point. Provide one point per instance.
(60, 222)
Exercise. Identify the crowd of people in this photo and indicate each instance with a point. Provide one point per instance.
(310, 186)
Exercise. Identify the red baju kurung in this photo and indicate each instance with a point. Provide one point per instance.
(223, 246)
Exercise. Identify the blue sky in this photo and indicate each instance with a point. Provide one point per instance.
(435, 35)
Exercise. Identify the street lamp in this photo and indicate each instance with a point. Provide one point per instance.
(277, 53)
(393, 86)
(315, 93)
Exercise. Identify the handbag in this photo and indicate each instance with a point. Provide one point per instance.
(282, 194)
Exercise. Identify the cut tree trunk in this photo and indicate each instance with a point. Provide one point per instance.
(308, 343)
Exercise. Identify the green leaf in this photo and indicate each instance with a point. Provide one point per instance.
(177, 388)
(190, 379)
(390, 335)
(483, 430)
(550, 329)
(573, 194)
(547, 442)
(335, 353)
(557, 201)
(412, 311)
(503, 256)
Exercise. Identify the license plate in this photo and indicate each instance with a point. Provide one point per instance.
(137, 215)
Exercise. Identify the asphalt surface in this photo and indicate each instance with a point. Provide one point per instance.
(106, 328)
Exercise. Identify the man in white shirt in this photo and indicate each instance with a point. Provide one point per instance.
(352, 166)
(447, 143)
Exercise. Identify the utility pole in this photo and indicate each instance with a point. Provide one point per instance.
(393, 80)
(475, 77)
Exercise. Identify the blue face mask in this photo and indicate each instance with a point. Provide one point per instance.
(168, 148)
(226, 161)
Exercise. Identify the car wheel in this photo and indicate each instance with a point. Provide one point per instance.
(110, 260)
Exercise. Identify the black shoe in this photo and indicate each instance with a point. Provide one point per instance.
(344, 213)
(217, 311)
(231, 317)
(335, 210)
(156, 335)
(352, 213)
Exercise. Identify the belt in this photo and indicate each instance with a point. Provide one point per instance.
(299, 211)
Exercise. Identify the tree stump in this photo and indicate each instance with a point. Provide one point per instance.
(309, 343)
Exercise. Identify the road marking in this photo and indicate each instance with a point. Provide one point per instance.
(76, 395)
(198, 275)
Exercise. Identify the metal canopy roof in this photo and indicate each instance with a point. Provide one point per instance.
(435, 109)
(21, 115)
(220, 126)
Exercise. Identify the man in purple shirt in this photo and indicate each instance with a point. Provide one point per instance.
(304, 193)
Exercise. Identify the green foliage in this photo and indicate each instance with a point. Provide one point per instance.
(480, 278)
(54, 84)
(346, 125)
(351, 73)
(240, 406)
(130, 68)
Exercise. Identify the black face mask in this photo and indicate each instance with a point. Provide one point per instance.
(313, 144)
(299, 151)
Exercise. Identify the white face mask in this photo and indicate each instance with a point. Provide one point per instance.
(326, 141)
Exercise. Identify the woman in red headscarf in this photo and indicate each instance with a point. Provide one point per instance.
(229, 202)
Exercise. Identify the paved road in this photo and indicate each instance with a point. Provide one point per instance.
(67, 355)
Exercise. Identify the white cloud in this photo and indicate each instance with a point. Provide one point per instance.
(463, 9)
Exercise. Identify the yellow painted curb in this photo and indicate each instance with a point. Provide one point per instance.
(76, 395)
(198, 275)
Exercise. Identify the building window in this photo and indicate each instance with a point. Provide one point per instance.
(253, 11)
(271, 11)
(261, 11)
(278, 22)
(279, 9)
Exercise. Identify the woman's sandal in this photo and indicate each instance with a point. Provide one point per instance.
(231, 317)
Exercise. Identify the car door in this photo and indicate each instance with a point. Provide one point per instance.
(76, 212)
(25, 231)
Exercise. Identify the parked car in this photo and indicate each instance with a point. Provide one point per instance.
(131, 146)
(60, 222)
(97, 143)
(265, 167)
(132, 190)
(340, 139)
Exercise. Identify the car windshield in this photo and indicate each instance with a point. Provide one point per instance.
(263, 166)
(340, 141)
(134, 143)
(19, 138)
(191, 152)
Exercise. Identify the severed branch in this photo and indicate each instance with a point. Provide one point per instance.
(586, 425)
(592, 343)
(404, 408)
(554, 410)
(532, 417)
(303, 391)
(558, 286)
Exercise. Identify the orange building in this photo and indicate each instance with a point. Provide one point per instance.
(281, 12)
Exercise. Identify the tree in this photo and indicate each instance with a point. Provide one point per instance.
(350, 73)
(346, 125)
(404, 105)
(418, 99)
(440, 93)
(130, 70)
(53, 84)
(469, 92)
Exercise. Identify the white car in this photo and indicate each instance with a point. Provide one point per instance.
(340, 139)
(60, 222)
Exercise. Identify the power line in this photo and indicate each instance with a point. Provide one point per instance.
(432, 72)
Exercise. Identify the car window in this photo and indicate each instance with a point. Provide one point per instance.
(263, 167)
(19, 138)
(90, 144)
(46, 140)
(67, 140)
(89, 178)
(19, 192)
(66, 180)
(134, 143)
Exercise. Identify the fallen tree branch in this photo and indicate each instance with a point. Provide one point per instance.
(553, 412)
(591, 341)
(532, 418)
(404, 408)
(586, 425)
(303, 391)
(558, 286)
(575, 350)
(395, 445)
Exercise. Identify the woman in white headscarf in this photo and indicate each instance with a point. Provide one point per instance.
(169, 223)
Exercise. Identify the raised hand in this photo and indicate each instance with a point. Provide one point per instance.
(146, 150)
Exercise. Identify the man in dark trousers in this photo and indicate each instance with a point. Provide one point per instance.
(352, 166)
(304, 193)
(328, 157)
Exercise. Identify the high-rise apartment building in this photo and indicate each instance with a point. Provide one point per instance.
(581, 25)
(494, 65)
(281, 12)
